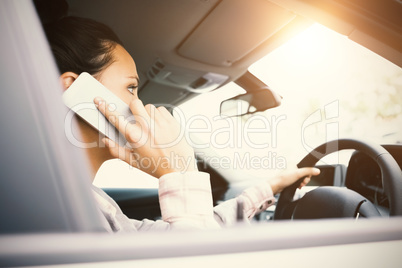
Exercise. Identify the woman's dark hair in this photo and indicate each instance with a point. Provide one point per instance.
(80, 44)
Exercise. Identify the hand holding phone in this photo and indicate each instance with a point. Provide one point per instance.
(79, 98)
(158, 143)
(155, 137)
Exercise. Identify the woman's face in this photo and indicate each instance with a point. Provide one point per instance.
(121, 76)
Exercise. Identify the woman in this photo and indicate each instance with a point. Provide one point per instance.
(83, 45)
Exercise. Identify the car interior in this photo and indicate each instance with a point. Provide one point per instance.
(183, 49)
(180, 56)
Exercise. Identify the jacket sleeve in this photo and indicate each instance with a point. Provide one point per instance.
(254, 199)
(185, 201)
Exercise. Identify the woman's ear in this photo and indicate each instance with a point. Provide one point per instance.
(67, 79)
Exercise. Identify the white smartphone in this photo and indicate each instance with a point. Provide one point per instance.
(79, 98)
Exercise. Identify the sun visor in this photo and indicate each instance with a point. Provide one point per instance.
(232, 30)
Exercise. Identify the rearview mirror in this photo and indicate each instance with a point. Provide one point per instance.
(250, 102)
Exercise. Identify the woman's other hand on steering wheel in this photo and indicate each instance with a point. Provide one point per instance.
(287, 178)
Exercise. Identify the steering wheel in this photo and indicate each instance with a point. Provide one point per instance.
(337, 202)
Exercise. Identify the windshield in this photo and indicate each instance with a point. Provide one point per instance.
(331, 87)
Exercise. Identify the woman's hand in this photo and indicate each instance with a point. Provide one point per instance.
(157, 140)
(287, 178)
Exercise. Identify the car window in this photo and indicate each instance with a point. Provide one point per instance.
(331, 88)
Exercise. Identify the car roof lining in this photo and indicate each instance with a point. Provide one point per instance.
(174, 31)
(232, 30)
(163, 35)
